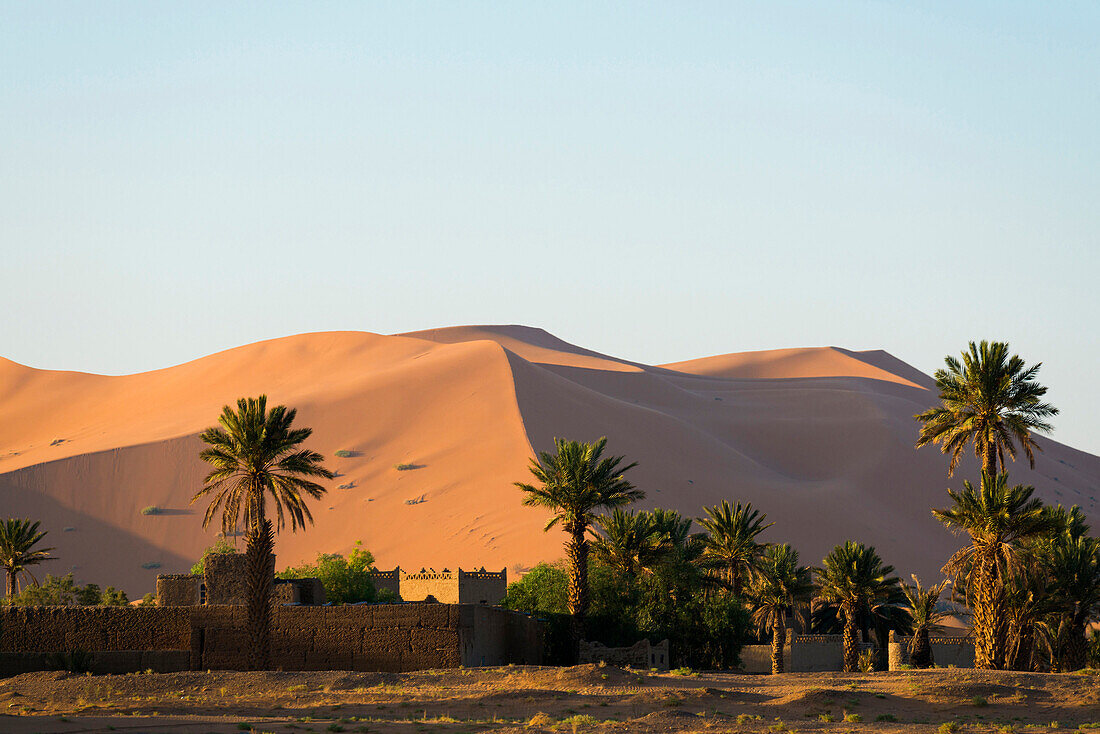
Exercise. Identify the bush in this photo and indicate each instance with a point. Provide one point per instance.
(151, 510)
(221, 545)
(346, 580)
(542, 590)
(64, 591)
(344, 453)
(406, 467)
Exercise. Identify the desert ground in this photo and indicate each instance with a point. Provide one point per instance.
(821, 439)
(539, 699)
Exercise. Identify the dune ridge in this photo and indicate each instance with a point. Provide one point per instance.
(819, 438)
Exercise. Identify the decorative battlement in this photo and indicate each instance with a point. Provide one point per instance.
(446, 586)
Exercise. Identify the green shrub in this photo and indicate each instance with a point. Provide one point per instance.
(221, 546)
(826, 717)
(64, 591)
(344, 453)
(346, 580)
(948, 727)
(886, 717)
(979, 701)
(150, 565)
(151, 510)
(406, 467)
(853, 718)
(542, 590)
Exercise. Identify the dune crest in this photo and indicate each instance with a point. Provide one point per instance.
(821, 439)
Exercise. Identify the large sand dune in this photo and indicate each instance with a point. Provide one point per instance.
(820, 439)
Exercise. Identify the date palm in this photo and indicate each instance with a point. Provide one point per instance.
(999, 519)
(627, 542)
(731, 542)
(257, 456)
(1074, 566)
(925, 619)
(779, 587)
(18, 539)
(990, 401)
(574, 483)
(854, 579)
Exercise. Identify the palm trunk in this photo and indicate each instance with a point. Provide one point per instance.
(12, 583)
(989, 460)
(1021, 656)
(779, 640)
(261, 582)
(985, 617)
(1076, 649)
(735, 581)
(851, 639)
(920, 649)
(577, 550)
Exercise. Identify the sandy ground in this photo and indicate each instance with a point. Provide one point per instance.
(821, 439)
(582, 698)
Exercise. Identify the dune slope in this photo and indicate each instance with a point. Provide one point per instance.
(820, 439)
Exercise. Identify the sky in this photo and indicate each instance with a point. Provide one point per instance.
(654, 181)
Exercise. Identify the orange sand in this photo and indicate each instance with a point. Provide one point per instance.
(820, 439)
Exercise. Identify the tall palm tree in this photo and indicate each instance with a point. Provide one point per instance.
(18, 539)
(854, 578)
(731, 545)
(925, 619)
(780, 586)
(998, 519)
(257, 456)
(575, 482)
(991, 401)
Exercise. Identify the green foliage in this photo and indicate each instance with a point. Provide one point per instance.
(64, 591)
(990, 401)
(151, 510)
(344, 453)
(542, 590)
(867, 661)
(406, 467)
(18, 539)
(346, 580)
(221, 546)
(257, 460)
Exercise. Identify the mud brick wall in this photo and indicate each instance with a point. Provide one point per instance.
(178, 590)
(91, 629)
(370, 637)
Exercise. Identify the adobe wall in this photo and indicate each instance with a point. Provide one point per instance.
(642, 654)
(381, 637)
(387, 580)
(801, 654)
(758, 658)
(441, 585)
(955, 652)
(178, 590)
(482, 587)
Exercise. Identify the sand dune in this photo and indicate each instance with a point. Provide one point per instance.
(820, 439)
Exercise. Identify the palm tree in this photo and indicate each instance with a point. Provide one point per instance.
(998, 519)
(256, 456)
(925, 619)
(627, 541)
(731, 544)
(575, 482)
(854, 579)
(18, 539)
(1075, 574)
(989, 400)
(779, 587)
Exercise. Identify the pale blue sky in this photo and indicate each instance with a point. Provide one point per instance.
(656, 181)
